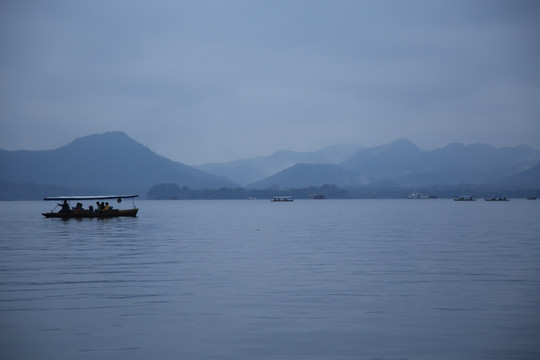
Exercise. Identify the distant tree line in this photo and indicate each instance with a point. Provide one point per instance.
(29, 191)
(175, 192)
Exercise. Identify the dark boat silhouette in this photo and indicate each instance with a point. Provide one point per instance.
(68, 212)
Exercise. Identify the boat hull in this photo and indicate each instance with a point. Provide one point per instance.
(79, 214)
(464, 198)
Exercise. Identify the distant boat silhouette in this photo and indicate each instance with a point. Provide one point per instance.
(417, 195)
(497, 198)
(282, 199)
(464, 198)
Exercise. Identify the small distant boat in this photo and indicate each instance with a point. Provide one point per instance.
(317, 196)
(282, 199)
(497, 198)
(464, 198)
(78, 211)
(531, 197)
(417, 195)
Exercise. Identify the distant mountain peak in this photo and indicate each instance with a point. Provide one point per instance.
(110, 139)
(400, 146)
(403, 143)
(109, 135)
(112, 161)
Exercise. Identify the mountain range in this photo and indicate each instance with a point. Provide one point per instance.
(114, 163)
(109, 162)
(403, 164)
(251, 170)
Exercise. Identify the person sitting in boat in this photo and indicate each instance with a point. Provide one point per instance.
(106, 207)
(78, 206)
(65, 207)
(98, 207)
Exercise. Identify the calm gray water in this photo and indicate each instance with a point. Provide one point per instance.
(330, 279)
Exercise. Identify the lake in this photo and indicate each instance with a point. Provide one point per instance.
(251, 279)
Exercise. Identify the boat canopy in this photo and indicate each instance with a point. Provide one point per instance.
(99, 197)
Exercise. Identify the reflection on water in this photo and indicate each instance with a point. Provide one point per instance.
(351, 279)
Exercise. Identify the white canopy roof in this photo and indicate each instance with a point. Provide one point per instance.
(98, 197)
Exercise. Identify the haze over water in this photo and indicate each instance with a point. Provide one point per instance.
(332, 279)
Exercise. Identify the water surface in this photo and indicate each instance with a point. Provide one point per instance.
(312, 279)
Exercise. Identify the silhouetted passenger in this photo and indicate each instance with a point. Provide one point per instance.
(65, 207)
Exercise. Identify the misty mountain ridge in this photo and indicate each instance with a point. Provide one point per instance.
(402, 157)
(398, 163)
(529, 178)
(111, 161)
(246, 171)
(402, 163)
(309, 175)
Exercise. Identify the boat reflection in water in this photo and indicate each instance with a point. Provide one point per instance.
(102, 210)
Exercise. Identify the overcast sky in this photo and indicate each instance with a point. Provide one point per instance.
(211, 81)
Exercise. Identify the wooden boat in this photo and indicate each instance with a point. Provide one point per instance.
(78, 211)
(464, 198)
(497, 198)
(417, 195)
(282, 199)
